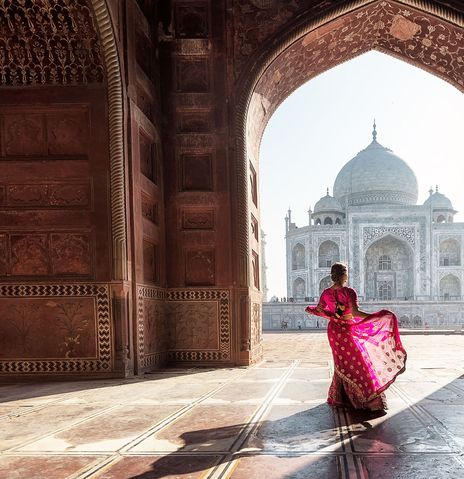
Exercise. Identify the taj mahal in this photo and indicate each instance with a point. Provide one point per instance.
(399, 252)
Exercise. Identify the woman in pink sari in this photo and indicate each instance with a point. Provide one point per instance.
(366, 348)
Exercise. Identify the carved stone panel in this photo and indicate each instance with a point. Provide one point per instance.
(55, 328)
(48, 195)
(256, 324)
(155, 332)
(67, 134)
(29, 255)
(150, 209)
(3, 255)
(200, 324)
(24, 135)
(198, 219)
(192, 21)
(144, 54)
(194, 122)
(197, 172)
(254, 228)
(200, 267)
(253, 185)
(26, 195)
(71, 254)
(150, 262)
(38, 328)
(152, 332)
(193, 325)
(45, 254)
(149, 158)
(70, 194)
(193, 76)
(255, 269)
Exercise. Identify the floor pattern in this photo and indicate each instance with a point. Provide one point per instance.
(269, 421)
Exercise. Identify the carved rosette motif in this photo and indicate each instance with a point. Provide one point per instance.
(221, 298)
(373, 233)
(48, 43)
(70, 365)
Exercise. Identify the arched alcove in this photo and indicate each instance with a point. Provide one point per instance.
(450, 287)
(328, 254)
(299, 288)
(389, 269)
(298, 257)
(450, 252)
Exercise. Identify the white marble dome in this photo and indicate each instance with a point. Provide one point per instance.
(328, 204)
(376, 176)
(439, 202)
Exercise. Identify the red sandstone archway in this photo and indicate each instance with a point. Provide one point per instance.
(415, 31)
(63, 186)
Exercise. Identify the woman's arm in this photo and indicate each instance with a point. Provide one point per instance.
(355, 306)
(319, 309)
(360, 314)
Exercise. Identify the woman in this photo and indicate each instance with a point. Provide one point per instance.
(366, 348)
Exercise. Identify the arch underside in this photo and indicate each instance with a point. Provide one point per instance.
(407, 33)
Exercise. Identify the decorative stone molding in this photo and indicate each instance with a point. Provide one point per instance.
(116, 136)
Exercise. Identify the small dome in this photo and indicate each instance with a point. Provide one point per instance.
(376, 176)
(328, 204)
(438, 201)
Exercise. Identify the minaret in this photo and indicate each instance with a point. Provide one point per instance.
(288, 220)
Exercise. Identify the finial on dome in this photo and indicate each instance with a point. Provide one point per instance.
(431, 191)
(436, 188)
(327, 191)
(374, 132)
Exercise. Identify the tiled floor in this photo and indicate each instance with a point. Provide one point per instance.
(270, 421)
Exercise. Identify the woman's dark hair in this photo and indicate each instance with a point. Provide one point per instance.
(337, 271)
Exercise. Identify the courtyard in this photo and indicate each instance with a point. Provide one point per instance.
(267, 421)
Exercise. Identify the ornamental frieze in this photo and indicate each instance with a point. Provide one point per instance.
(48, 43)
(372, 233)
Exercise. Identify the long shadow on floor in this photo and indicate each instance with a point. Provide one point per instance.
(16, 391)
(406, 442)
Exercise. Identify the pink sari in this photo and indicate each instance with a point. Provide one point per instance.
(367, 353)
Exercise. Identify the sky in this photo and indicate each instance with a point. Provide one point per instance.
(328, 120)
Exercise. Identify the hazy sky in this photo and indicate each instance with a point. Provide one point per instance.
(327, 121)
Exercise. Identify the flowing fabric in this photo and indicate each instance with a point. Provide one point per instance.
(367, 353)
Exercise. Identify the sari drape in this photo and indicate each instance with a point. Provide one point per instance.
(368, 354)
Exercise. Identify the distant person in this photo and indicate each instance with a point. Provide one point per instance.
(366, 348)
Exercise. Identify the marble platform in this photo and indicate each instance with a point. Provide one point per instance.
(269, 421)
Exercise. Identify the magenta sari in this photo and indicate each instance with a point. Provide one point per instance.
(367, 353)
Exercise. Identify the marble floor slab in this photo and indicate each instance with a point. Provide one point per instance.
(268, 421)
